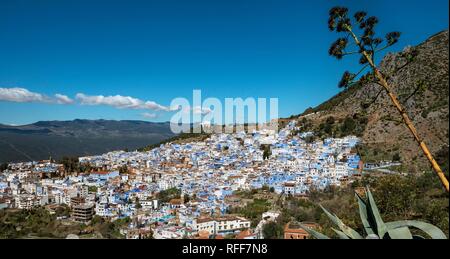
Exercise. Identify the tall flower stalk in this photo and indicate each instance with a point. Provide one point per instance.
(367, 45)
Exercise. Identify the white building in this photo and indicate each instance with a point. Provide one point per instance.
(221, 225)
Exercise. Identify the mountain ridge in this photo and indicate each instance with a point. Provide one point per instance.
(423, 87)
(79, 137)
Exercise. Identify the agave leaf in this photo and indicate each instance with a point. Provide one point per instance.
(313, 233)
(418, 237)
(400, 233)
(373, 211)
(372, 236)
(340, 234)
(333, 218)
(363, 215)
(433, 231)
(347, 230)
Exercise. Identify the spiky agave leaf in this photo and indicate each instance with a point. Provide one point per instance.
(341, 234)
(400, 233)
(347, 230)
(372, 236)
(314, 233)
(433, 231)
(363, 214)
(374, 214)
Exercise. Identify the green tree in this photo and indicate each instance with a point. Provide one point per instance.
(328, 129)
(123, 169)
(3, 167)
(167, 195)
(396, 157)
(272, 230)
(138, 204)
(267, 152)
(349, 126)
(71, 164)
(253, 210)
(63, 211)
(310, 139)
(85, 167)
(330, 120)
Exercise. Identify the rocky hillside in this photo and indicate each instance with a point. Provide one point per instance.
(422, 85)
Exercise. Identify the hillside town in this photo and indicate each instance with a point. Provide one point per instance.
(186, 190)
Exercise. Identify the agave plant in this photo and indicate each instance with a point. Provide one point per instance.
(374, 226)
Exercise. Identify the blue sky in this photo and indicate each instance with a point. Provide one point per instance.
(159, 50)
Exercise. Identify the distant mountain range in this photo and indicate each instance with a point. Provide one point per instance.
(56, 139)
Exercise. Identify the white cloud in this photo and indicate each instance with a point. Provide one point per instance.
(149, 115)
(119, 101)
(63, 99)
(175, 108)
(201, 110)
(154, 106)
(21, 95)
(198, 110)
